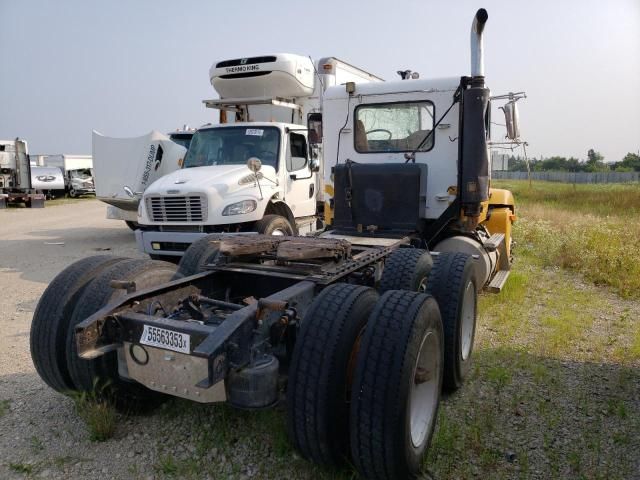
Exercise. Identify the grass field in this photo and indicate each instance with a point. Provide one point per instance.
(555, 388)
(556, 383)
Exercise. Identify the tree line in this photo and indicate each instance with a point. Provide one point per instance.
(594, 163)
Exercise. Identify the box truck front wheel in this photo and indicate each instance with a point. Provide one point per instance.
(100, 375)
(319, 381)
(274, 225)
(396, 388)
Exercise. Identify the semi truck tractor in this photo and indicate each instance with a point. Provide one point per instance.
(271, 108)
(15, 175)
(360, 327)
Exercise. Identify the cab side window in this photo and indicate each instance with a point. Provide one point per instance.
(297, 158)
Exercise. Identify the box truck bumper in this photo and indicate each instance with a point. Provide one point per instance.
(116, 213)
(166, 243)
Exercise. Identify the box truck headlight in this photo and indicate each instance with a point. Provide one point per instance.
(239, 208)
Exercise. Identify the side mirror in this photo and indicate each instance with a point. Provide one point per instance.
(314, 166)
(314, 150)
(130, 192)
(512, 120)
(254, 164)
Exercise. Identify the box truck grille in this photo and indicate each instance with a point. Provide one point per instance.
(190, 208)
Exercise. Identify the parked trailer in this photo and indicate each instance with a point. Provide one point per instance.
(362, 322)
(48, 180)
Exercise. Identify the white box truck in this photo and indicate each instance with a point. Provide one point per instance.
(255, 171)
(77, 171)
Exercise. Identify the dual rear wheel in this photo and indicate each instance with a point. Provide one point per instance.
(365, 380)
(367, 370)
(76, 293)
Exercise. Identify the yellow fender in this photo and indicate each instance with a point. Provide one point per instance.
(499, 213)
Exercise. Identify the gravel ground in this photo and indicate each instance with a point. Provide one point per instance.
(41, 429)
(527, 411)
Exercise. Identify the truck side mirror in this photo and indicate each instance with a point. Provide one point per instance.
(314, 150)
(254, 164)
(512, 120)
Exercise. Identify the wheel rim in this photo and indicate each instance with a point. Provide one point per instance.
(422, 286)
(468, 320)
(423, 400)
(278, 232)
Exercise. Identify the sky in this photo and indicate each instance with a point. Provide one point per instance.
(127, 67)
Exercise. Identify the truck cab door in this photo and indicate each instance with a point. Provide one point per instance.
(300, 180)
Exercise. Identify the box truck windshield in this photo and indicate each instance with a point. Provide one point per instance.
(233, 146)
(81, 174)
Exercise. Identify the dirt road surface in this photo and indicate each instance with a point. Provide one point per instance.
(40, 434)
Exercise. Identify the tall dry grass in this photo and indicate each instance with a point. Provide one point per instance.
(594, 229)
(617, 200)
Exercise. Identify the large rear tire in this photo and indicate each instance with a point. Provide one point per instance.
(318, 392)
(200, 253)
(452, 282)
(100, 375)
(396, 390)
(50, 324)
(406, 269)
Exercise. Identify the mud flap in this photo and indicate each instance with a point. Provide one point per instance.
(36, 201)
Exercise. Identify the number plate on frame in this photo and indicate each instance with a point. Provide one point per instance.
(167, 339)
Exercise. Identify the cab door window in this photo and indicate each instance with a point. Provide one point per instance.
(297, 158)
(394, 127)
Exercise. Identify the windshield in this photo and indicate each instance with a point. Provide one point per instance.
(233, 146)
(82, 174)
(182, 139)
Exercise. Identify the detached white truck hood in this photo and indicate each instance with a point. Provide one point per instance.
(131, 162)
(212, 188)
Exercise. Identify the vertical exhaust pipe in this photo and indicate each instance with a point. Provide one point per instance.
(477, 56)
(474, 175)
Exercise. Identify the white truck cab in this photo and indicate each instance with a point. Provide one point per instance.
(216, 189)
(260, 169)
(383, 123)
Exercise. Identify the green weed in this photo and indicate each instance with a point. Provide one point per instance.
(97, 412)
(25, 468)
(4, 407)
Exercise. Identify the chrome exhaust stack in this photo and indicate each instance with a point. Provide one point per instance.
(477, 54)
(474, 175)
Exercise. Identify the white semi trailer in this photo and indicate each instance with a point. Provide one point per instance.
(270, 110)
(15, 175)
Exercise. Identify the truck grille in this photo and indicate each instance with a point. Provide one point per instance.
(190, 208)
